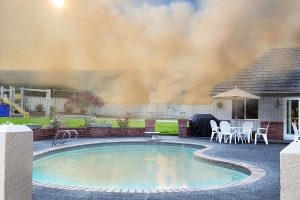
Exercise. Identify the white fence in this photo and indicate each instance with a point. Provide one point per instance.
(139, 110)
(266, 110)
(31, 102)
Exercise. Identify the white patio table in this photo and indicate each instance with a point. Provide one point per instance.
(232, 128)
(240, 135)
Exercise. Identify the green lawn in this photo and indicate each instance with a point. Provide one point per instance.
(166, 128)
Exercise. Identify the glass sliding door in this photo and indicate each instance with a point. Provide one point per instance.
(292, 116)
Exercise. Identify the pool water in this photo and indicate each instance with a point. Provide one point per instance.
(132, 166)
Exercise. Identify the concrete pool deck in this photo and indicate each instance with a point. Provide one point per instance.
(260, 155)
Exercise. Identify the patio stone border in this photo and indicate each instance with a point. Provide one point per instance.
(255, 173)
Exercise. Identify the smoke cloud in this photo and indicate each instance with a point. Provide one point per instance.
(132, 51)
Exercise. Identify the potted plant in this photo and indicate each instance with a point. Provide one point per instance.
(39, 107)
(219, 104)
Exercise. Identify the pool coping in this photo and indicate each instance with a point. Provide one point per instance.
(255, 173)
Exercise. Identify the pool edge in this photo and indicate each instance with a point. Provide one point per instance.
(255, 173)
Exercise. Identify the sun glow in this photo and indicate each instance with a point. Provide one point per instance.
(58, 3)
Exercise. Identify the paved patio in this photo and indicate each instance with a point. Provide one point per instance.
(260, 155)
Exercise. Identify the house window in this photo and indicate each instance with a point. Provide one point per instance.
(245, 109)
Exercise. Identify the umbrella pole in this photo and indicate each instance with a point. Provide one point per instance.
(235, 113)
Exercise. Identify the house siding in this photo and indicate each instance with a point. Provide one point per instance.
(269, 110)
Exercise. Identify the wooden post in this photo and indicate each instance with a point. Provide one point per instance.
(22, 97)
(2, 91)
(10, 95)
(10, 92)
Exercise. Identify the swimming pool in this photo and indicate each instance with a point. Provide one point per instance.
(131, 166)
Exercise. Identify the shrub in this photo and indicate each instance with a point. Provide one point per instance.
(124, 123)
(39, 107)
(85, 100)
(89, 120)
(57, 123)
(27, 108)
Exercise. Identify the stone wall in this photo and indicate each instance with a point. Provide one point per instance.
(275, 129)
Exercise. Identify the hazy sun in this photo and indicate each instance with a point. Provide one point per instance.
(58, 3)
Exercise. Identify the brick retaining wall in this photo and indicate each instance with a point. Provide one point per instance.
(275, 130)
(96, 132)
(48, 133)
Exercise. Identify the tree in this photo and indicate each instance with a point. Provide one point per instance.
(85, 100)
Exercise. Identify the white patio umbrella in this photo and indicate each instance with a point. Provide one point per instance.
(236, 94)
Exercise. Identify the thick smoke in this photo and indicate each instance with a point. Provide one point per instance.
(136, 51)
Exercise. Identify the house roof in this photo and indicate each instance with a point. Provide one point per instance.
(276, 72)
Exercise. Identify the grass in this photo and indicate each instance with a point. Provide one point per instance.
(165, 128)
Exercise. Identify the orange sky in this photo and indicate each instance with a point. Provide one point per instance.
(158, 53)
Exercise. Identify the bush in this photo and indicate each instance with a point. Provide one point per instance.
(39, 107)
(27, 108)
(124, 123)
(89, 120)
(85, 100)
(57, 123)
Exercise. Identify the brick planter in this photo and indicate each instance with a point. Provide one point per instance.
(182, 125)
(150, 125)
(275, 130)
(100, 132)
(97, 132)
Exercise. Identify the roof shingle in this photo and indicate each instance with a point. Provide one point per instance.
(277, 71)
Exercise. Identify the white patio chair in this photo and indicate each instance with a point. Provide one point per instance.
(226, 132)
(246, 131)
(214, 130)
(296, 132)
(263, 132)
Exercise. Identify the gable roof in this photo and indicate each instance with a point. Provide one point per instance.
(276, 72)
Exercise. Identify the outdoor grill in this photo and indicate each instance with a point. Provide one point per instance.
(200, 125)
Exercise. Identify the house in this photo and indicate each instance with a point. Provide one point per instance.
(275, 77)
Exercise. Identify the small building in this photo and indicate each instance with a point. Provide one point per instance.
(275, 77)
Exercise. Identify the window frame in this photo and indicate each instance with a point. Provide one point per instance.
(233, 115)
